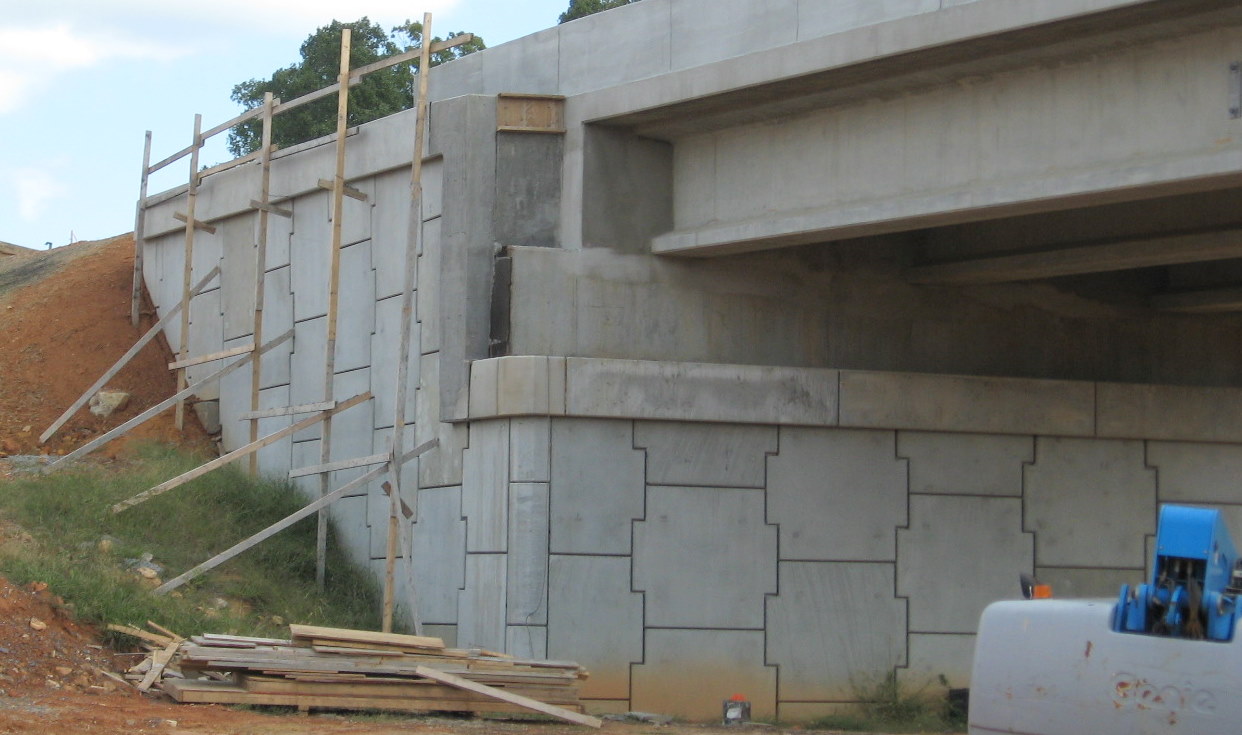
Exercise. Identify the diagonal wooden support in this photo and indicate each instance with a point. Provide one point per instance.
(348, 191)
(239, 452)
(268, 413)
(270, 208)
(121, 363)
(159, 407)
(221, 355)
(284, 523)
(198, 223)
(506, 696)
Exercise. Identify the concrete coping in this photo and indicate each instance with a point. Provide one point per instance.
(537, 385)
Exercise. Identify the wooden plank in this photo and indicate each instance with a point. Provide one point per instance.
(222, 167)
(510, 697)
(271, 208)
(159, 640)
(390, 560)
(348, 191)
(161, 629)
(187, 267)
(221, 355)
(344, 464)
(1093, 258)
(198, 223)
(406, 510)
(242, 451)
(140, 228)
(260, 264)
(124, 359)
(162, 405)
(268, 532)
(364, 636)
(268, 413)
(217, 637)
(158, 662)
(1211, 301)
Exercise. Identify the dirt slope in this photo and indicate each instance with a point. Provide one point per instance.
(64, 320)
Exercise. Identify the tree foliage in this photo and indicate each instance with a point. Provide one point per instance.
(582, 8)
(379, 94)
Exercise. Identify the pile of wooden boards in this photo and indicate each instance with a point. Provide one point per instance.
(334, 668)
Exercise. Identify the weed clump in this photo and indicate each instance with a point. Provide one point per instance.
(885, 707)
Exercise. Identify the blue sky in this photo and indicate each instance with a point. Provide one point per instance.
(81, 80)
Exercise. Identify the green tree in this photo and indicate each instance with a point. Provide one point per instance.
(582, 8)
(379, 94)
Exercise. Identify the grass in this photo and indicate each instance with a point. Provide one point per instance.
(67, 513)
(885, 707)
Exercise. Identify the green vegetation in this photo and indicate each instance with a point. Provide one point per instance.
(582, 8)
(84, 552)
(379, 94)
(886, 708)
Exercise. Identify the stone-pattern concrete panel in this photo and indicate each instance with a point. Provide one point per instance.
(530, 446)
(965, 464)
(439, 553)
(427, 299)
(443, 465)
(834, 626)
(1205, 473)
(277, 319)
(705, 454)
(356, 308)
(1089, 582)
(485, 487)
(838, 495)
(528, 554)
(597, 486)
(309, 255)
(275, 458)
(595, 619)
(390, 223)
(351, 429)
(724, 554)
(237, 275)
(385, 346)
(958, 555)
(527, 641)
(717, 661)
(206, 337)
(1089, 502)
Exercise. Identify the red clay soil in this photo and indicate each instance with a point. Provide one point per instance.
(64, 320)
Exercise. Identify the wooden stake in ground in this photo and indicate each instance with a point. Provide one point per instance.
(188, 268)
(140, 226)
(334, 279)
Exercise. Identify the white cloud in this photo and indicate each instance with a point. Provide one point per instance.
(37, 189)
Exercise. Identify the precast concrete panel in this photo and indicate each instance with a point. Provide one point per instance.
(443, 465)
(427, 300)
(1072, 582)
(711, 455)
(527, 641)
(356, 308)
(356, 213)
(528, 554)
(208, 253)
(824, 17)
(234, 397)
(833, 628)
(933, 656)
(481, 604)
(594, 618)
(433, 188)
(206, 337)
(526, 65)
(719, 662)
(237, 275)
(306, 454)
(279, 233)
(1204, 473)
(965, 464)
(1089, 502)
(597, 485)
(694, 160)
(351, 429)
(275, 460)
(730, 28)
(385, 347)
(306, 366)
(725, 558)
(530, 447)
(439, 553)
(310, 255)
(837, 494)
(958, 555)
(390, 227)
(591, 46)
(349, 526)
(485, 487)
(277, 319)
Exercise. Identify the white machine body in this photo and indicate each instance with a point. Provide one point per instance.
(1056, 667)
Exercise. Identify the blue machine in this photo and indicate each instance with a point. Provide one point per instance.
(1195, 583)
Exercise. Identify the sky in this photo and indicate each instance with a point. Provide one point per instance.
(82, 80)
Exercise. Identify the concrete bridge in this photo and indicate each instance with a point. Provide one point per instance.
(768, 342)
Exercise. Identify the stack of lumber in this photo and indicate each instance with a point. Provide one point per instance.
(334, 668)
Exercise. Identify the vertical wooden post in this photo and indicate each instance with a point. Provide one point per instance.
(140, 225)
(413, 240)
(260, 268)
(390, 555)
(334, 277)
(188, 269)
